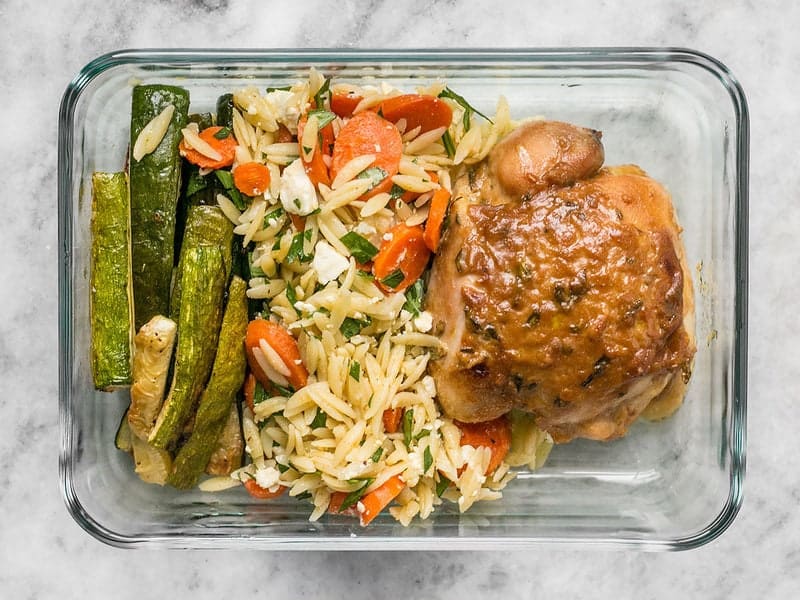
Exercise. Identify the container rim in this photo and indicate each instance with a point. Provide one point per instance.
(553, 56)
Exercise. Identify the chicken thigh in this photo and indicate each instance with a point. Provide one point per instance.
(561, 288)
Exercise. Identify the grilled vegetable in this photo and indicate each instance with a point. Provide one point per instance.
(152, 464)
(153, 346)
(122, 440)
(154, 187)
(226, 380)
(110, 303)
(206, 226)
(228, 453)
(225, 111)
(203, 276)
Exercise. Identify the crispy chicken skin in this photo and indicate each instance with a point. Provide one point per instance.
(560, 288)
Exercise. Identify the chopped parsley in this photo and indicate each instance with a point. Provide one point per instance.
(408, 427)
(449, 144)
(319, 419)
(324, 117)
(442, 485)
(468, 108)
(355, 370)
(223, 133)
(351, 326)
(259, 394)
(296, 248)
(323, 91)
(353, 497)
(393, 279)
(414, 296)
(291, 296)
(226, 179)
(427, 460)
(359, 246)
(377, 455)
(195, 182)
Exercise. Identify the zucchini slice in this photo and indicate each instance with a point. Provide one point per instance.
(110, 302)
(155, 182)
(152, 354)
(122, 440)
(219, 395)
(152, 465)
(203, 279)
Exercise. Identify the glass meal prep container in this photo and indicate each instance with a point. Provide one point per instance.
(668, 485)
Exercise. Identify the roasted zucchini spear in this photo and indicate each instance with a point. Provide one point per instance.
(203, 271)
(110, 298)
(206, 226)
(226, 380)
(155, 181)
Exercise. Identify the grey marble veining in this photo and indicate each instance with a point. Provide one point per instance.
(44, 554)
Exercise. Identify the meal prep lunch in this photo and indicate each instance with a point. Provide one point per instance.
(377, 300)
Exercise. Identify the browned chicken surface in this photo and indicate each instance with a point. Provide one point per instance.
(561, 288)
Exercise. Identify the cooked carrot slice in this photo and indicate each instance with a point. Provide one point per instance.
(284, 345)
(252, 178)
(344, 103)
(402, 258)
(495, 435)
(316, 169)
(367, 133)
(391, 419)
(436, 215)
(374, 502)
(225, 145)
(256, 491)
(419, 110)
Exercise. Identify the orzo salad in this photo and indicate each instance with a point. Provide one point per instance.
(276, 335)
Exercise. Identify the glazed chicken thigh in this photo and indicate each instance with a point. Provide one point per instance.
(561, 288)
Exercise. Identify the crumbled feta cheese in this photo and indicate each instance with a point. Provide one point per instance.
(387, 237)
(297, 193)
(267, 477)
(328, 263)
(353, 470)
(424, 322)
(305, 307)
(364, 229)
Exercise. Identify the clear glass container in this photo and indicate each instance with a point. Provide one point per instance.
(671, 485)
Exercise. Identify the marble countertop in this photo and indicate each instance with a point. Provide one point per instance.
(43, 552)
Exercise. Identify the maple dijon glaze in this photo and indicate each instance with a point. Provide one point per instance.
(568, 300)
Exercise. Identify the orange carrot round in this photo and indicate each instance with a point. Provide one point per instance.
(419, 110)
(495, 435)
(402, 258)
(367, 133)
(256, 491)
(344, 103)
(436, 214)
(251, 178)
(373, 503)
(284, 345)
(225, 145)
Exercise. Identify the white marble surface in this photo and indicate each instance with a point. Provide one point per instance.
(44, 554)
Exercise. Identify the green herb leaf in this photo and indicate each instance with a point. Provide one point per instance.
(223, 133)
(360, 247)
(195, 182)
(283, 391)
(304, 496)
(259, 394)
(296, 248)
(282, 468)
(427, 460)
(449, 145)
(351, 326)
(291, 296)
(374, 174)
(226, 179)
(272, 217)
(408, 427)
(324, 117)
(393, 279)
(255, 270)
(319, 419)
(377, 455)
(353, 497)
(355, 370)
(414, 295)
(442, 485)
(448, 93)
(396, 191)
(422, 434)
(324, 90)
(285, 88)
